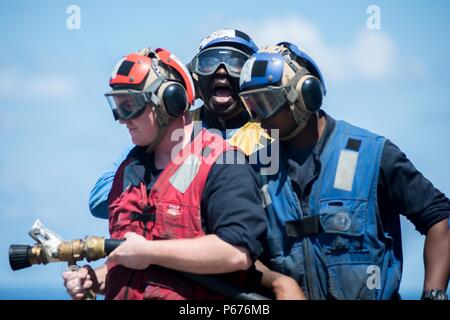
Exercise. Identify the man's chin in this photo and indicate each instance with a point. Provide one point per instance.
(222, 106)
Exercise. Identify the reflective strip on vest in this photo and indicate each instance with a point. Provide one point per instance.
(345, 172)
(185, 174)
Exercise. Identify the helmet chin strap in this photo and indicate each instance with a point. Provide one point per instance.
(301, 119)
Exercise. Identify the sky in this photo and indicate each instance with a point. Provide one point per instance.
(57, 134)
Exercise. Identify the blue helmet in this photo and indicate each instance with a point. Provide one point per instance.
(302, 58)
(278, 76)
(229, 38)
(261, 70)
(227, 48)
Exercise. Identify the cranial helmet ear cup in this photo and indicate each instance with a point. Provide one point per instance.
(173, 99)
(310, 93)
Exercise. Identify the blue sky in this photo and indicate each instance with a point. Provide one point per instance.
(57, 134)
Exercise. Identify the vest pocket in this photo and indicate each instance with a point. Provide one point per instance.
(177, 221)
(347, 255)
(344, 223)
(351, 282)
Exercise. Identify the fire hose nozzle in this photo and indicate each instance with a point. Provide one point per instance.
(22, 256)
(91, 248)
(19, 256)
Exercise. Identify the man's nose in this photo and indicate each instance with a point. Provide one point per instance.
(122, 121)
(221, 70)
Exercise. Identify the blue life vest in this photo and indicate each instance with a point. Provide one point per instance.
(339, 250)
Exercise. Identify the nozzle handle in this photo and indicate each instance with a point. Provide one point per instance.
(111, 244)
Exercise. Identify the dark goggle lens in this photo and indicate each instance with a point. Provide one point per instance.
(264, 103)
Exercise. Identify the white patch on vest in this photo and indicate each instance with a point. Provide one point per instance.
(173, 210)
(345, 172)
(185, 174)
(266, 200)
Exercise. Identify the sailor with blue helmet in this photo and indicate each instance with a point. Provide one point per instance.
(333, 205)
(216, 69)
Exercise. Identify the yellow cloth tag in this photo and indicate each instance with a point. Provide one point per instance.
(248, 138)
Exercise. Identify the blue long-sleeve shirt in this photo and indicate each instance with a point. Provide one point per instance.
(98, 197)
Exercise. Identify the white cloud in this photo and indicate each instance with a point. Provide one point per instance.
(371, 55)
(17, 84)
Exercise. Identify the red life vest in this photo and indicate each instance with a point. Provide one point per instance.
(171, 210)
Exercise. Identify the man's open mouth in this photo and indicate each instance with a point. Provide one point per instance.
(222, 91)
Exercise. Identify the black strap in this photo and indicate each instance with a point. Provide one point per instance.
(303, 228)
(144, 217)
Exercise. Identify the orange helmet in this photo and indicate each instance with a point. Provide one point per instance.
(157, 77)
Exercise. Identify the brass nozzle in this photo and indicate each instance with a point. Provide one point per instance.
(94, 248)
(91, 248)
(35, 254)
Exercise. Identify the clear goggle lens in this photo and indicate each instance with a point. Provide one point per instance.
(127, 104)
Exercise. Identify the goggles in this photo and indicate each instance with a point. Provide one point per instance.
(207, 61)
(267, 101)
(127, 104)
